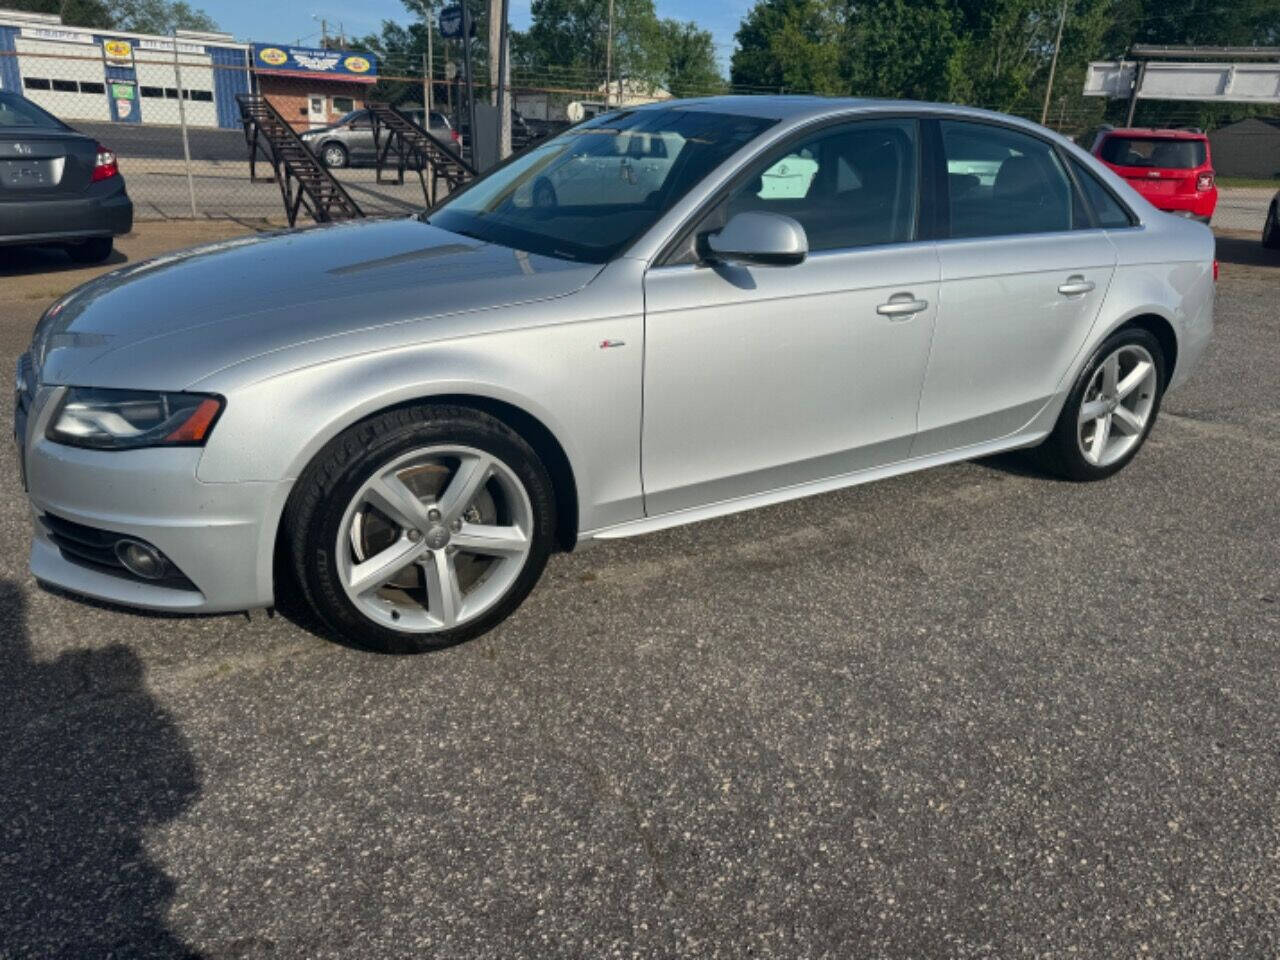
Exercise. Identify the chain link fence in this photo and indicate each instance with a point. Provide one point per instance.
(171, 118)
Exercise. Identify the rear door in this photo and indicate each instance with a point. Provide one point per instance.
(1024, 273)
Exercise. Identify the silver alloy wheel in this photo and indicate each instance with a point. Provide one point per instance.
(434, 539)
(334, 156)
(1117, 405)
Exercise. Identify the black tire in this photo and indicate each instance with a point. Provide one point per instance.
(1060, 453)
(317, 505)
(334, 156)
(93, 250)
(1271, 229)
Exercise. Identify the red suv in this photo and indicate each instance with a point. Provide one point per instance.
(1170, 168)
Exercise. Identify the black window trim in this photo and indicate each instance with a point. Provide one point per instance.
(1067, 161)
(675, 251)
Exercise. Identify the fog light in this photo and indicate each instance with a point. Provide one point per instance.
(141, 559)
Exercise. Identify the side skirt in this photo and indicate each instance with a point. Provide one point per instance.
(1036, 432)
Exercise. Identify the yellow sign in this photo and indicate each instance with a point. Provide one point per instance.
(356, 64)
(118, 49)
(273, 56)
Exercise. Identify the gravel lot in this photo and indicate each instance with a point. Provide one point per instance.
(966, 713)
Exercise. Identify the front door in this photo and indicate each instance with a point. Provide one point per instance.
(763, 377)
(317, 110)
(1023, 278)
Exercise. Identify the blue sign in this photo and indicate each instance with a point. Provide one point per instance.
(313, 61)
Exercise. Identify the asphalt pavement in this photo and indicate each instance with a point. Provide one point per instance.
(971, 712)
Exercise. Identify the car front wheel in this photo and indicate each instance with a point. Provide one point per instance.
(334, 156)
(421, 528)
(1111, 409)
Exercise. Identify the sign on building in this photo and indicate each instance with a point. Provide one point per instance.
(314, 61)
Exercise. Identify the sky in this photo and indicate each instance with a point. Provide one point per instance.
(291, 21)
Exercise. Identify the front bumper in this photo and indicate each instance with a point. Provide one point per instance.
(219, 535)
(104, 211)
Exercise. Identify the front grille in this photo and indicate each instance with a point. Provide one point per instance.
(96, 549)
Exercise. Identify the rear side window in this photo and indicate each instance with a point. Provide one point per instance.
(1002, 182)
(1109, 212)
(1158, 152)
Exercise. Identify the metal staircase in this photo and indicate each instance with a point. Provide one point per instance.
(409, 145)
(305, 183)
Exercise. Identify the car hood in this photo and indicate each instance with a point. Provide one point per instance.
(165, 323)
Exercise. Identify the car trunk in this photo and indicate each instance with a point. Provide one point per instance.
(37, 164)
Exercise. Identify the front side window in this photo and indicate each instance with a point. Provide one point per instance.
(848, 186)
(1156, 152)
(588, 193)
(1002, 182)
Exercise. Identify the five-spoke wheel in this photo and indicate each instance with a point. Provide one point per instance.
(421, 527)
(1111, 409)
(434, 538)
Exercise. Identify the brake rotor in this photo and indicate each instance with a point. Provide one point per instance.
(371, 532)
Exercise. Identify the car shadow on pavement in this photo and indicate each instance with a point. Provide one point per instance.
(1246, 252)
(20, 261)
(89, 761)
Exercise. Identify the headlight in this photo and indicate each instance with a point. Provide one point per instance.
(128, 419)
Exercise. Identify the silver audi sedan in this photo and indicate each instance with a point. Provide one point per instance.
(667, 314)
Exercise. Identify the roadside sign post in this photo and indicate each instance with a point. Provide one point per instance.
(456, 22)
(182, 122)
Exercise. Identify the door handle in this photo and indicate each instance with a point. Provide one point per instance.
(1076, 284)
(902, 305)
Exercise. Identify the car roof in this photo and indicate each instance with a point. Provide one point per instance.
(789, 107)
(1156, 133)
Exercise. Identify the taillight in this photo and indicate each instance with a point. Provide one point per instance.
(1204, 180)
(454, 134)
(1215, 269)
(105, 166)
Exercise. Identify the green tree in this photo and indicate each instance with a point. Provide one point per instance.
(691, 68)
(791, 45)
(159, 16)
(900, 48)
(93, 14)
(139, 16)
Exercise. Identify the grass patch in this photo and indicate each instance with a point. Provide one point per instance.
(1272, 183)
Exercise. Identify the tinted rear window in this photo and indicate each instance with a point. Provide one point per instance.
(19, 112)
(1153, 152)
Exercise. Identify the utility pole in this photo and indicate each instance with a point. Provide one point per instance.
(504, 85)
(1053, 64)
(428, 74)
(495, 42)
(608, 59)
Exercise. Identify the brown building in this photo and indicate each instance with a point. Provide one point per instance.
(311, 87)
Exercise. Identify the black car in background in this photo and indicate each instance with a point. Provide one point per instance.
(57, 186)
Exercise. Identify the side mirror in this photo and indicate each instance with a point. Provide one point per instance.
(760, 237)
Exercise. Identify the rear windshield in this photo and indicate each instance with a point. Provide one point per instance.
(1153, 152)
(17, 111)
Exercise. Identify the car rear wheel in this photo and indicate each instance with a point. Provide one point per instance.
(421, 528)
(1111, 409)
(1271, 229)
(93, 250)
(334, 155)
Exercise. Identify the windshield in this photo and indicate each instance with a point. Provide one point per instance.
(1163, 152)
(592, 190)
(17, 111)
